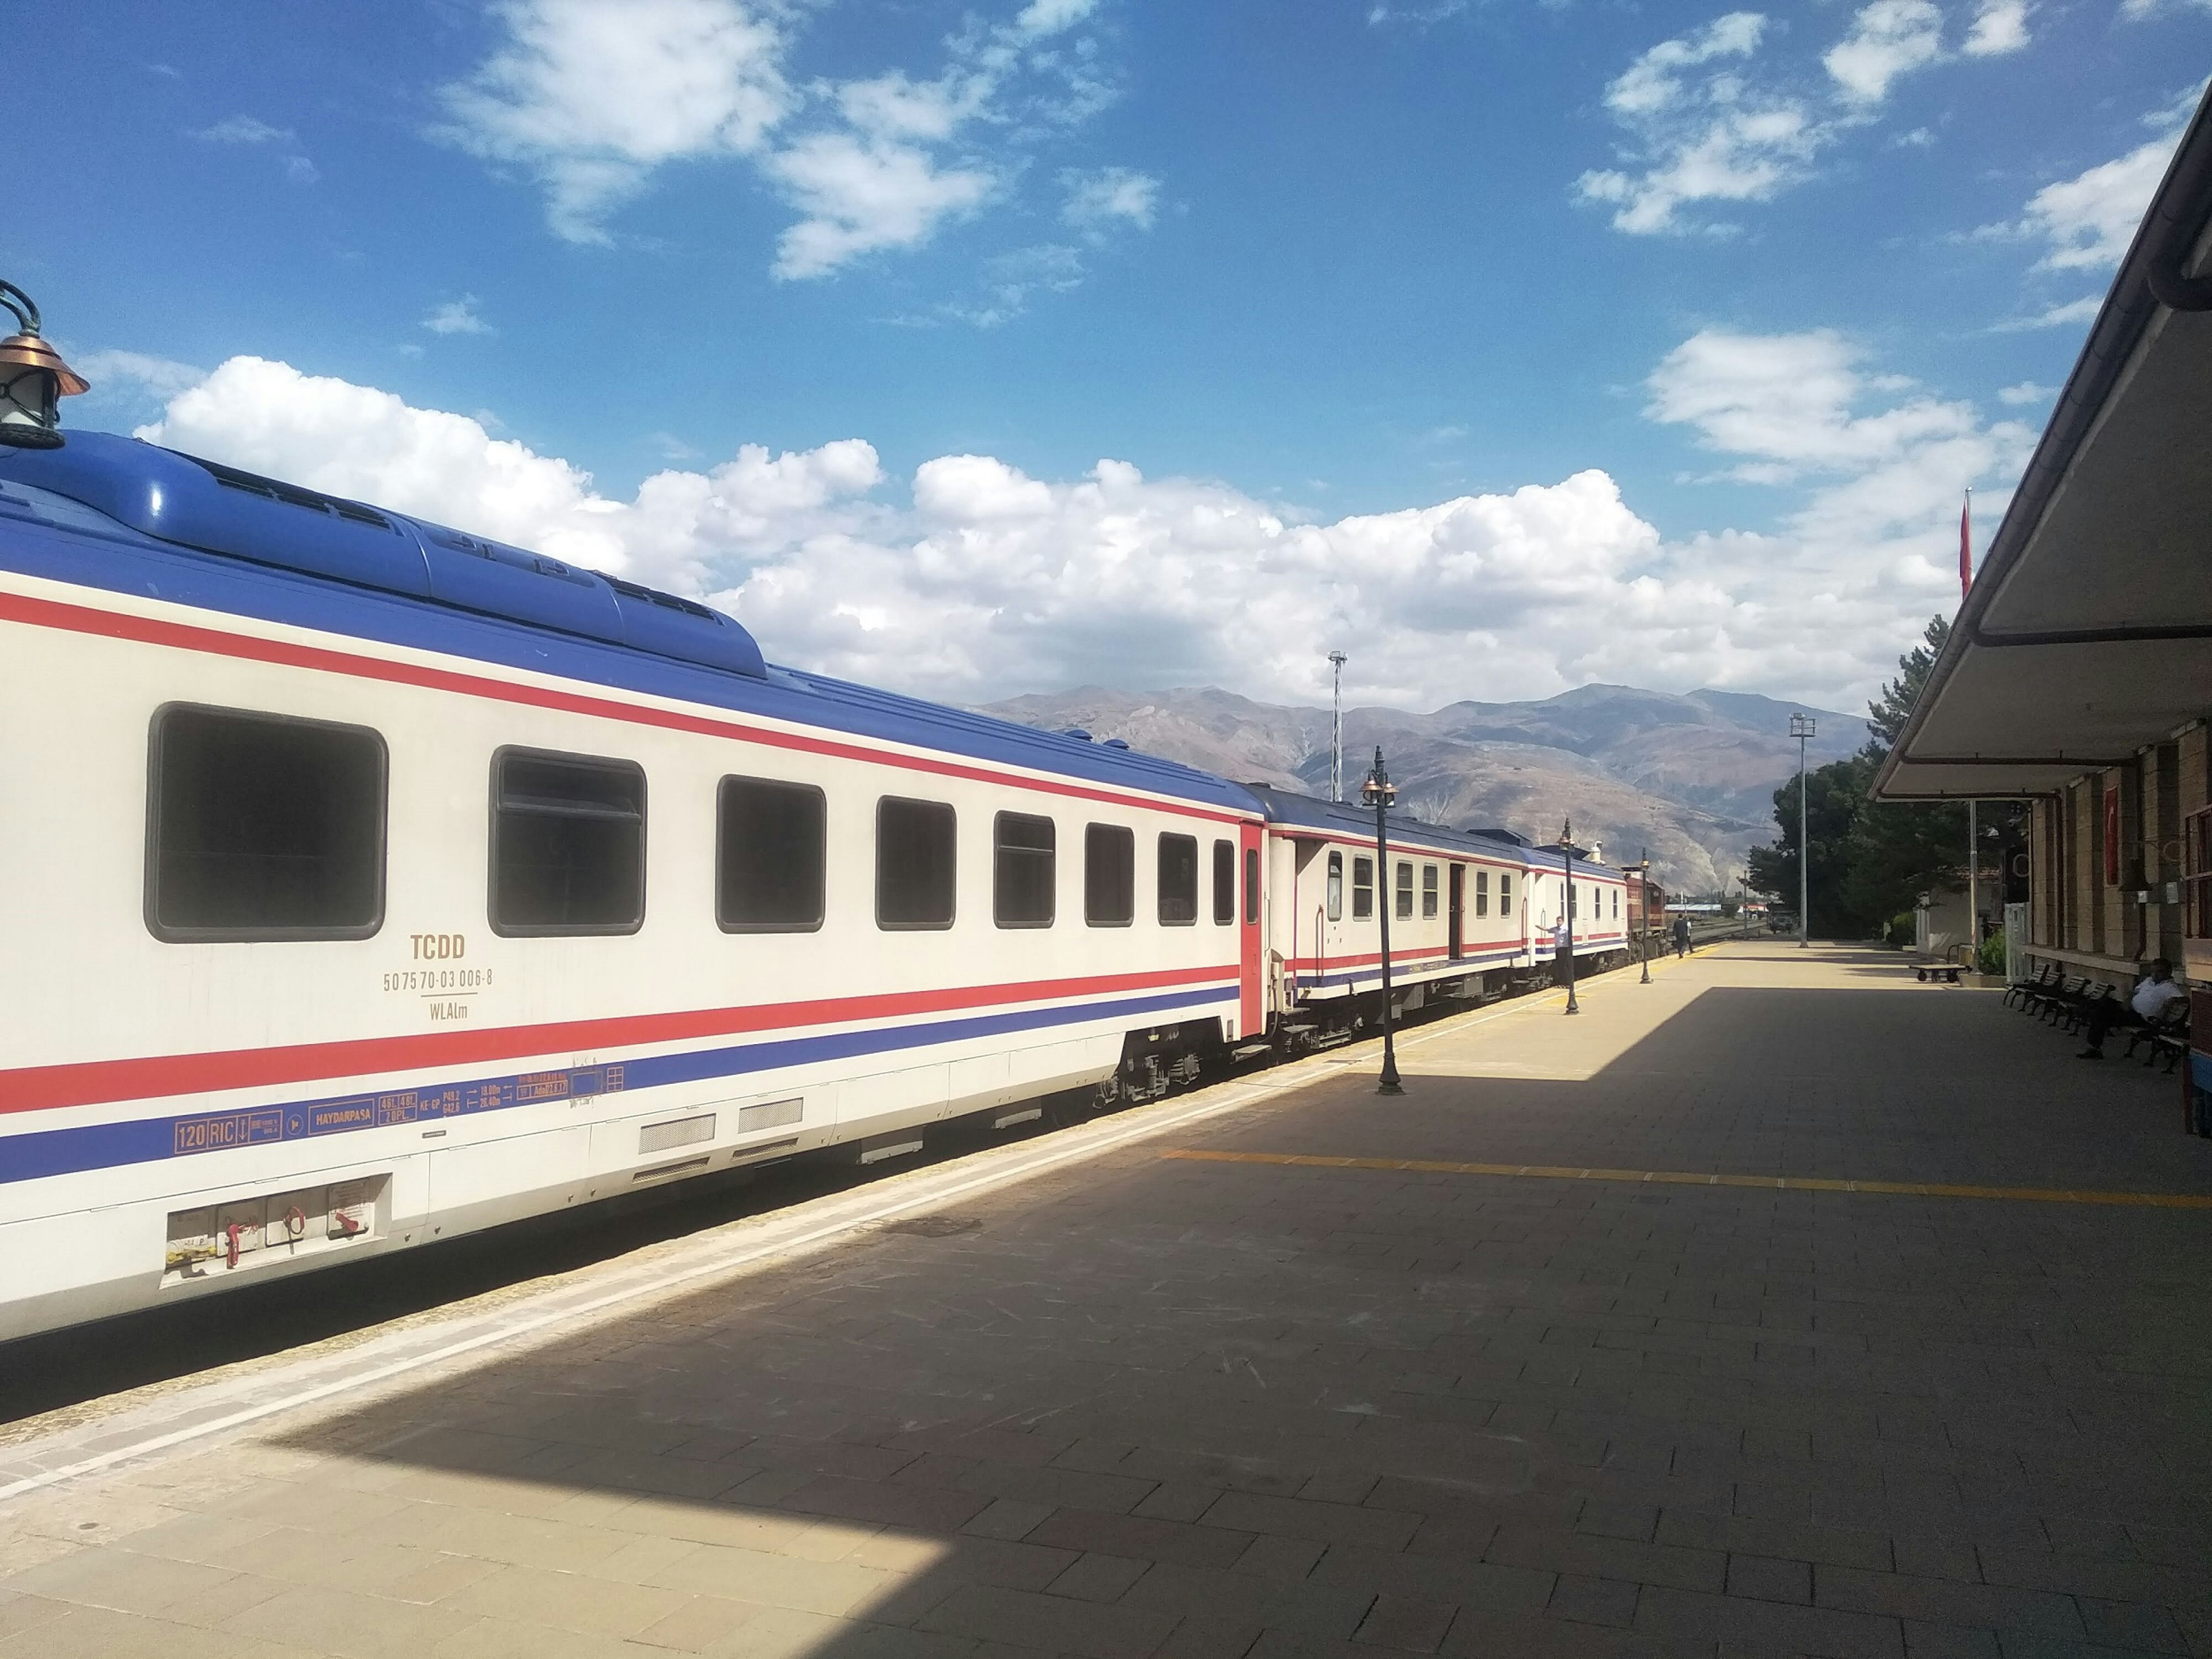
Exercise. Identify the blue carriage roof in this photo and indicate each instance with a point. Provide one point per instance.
(1352, 822)
(127, 516)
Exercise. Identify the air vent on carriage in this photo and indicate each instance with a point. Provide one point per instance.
(276, 490)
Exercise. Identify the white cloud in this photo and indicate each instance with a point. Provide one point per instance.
(2027, 392)
(457, 317)
(2089, 220)
(243, 130)
(2082, 310)
(2137, 11)
(1999, 26)
(591, 97)
(162, 377)
(1707, 136)
(984, 580)
(1887, 39)
(1107, 196)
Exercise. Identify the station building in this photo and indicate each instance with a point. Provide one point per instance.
(2079, 674)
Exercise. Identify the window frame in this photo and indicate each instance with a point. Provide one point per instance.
(587, 930)
(821, 894)
(1050, 853)
(952, 912)
(1332, 891)
(1401, 891)
(1363, 889)
(1481, 892)
(1504, 892)
(1125, 836)
(1251, 887)
(1160, 880)
(1432, 899)
(150, 882)
(1224, 891)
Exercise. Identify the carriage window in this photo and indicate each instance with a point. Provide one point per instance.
(1363, 887)
(567, 844)
(1109, 875)
(769, 856)
(1178, 880)
(1504, 892)
(1405, 906)
(1482, 891)
(1428, 890)
(1336, 887)
(1251, 887)
(1616, 904)
(1225, 882)
(915, 872)
(264, 827)
(1023, 850)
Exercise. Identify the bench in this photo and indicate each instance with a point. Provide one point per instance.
(2166, 1037)
(2022, 993)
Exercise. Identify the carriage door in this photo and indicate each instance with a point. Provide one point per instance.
(1251, 1016)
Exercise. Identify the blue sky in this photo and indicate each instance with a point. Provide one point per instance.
(1510, 345)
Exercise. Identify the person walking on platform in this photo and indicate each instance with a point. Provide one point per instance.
(2153, 993)
(1682, 936)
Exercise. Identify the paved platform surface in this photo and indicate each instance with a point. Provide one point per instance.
(1208, 1407)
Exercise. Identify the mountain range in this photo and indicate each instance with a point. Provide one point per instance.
(1691, 776)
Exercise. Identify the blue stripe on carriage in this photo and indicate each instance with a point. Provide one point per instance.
(145, 1141)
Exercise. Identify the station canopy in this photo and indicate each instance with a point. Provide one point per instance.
(2087, 633)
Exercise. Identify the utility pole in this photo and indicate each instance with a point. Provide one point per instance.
(1801, 727)
(1336, 660)
(1380, 794)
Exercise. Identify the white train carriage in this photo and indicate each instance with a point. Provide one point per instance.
(370, 882)
(1469, 913)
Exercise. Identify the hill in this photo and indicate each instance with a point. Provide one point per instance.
(1690, 776)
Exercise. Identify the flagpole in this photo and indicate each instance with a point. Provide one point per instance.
(1973, 807)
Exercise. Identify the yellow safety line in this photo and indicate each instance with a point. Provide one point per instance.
(1690, 1178)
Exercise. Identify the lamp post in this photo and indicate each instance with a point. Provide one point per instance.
(1567, 906)
(1379, 792)
(32, 378)
(1801, 727)
(1643, 917)
(1336, 660)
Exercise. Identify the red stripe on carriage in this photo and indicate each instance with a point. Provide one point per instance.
(88, 1082)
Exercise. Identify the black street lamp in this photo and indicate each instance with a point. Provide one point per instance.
(1644, 918)
(1567, 905)
(32, 378)
(1379, 792)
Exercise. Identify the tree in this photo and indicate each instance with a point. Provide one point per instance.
(1835, 798)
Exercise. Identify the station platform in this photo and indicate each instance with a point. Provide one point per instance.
(1780, 1306)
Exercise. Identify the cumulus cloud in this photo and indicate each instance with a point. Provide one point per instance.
(2087, 221)
(1999, 26)
(457, 317)
(2027, 392)
(1700, 130)
(1108, 197)
(975, 579)
(592, 98)
(1887, 39)
(1710, 117)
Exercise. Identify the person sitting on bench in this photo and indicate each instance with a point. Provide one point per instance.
(2154, 992)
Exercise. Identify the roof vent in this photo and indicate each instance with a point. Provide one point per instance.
(1077, 733)
(1117, 743)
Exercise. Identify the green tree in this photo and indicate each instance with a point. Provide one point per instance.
(1835, 798)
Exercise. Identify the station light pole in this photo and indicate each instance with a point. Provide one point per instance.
(1801, 727)
(1567, 905)
(32, 378)
(1336, 661)
(1379, 792)
(1643, 916)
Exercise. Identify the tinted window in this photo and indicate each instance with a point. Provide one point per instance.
(1224, 882)
(263, 828)
(1251, 887)
(769, 856)
(1109, 875)
(915, 849)
(1428, 890)
(1336, 887)
(1178, 880)
(1482, 892)
(1504, 893)
(567, 843)
(1022, 864)
(1363, 887)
